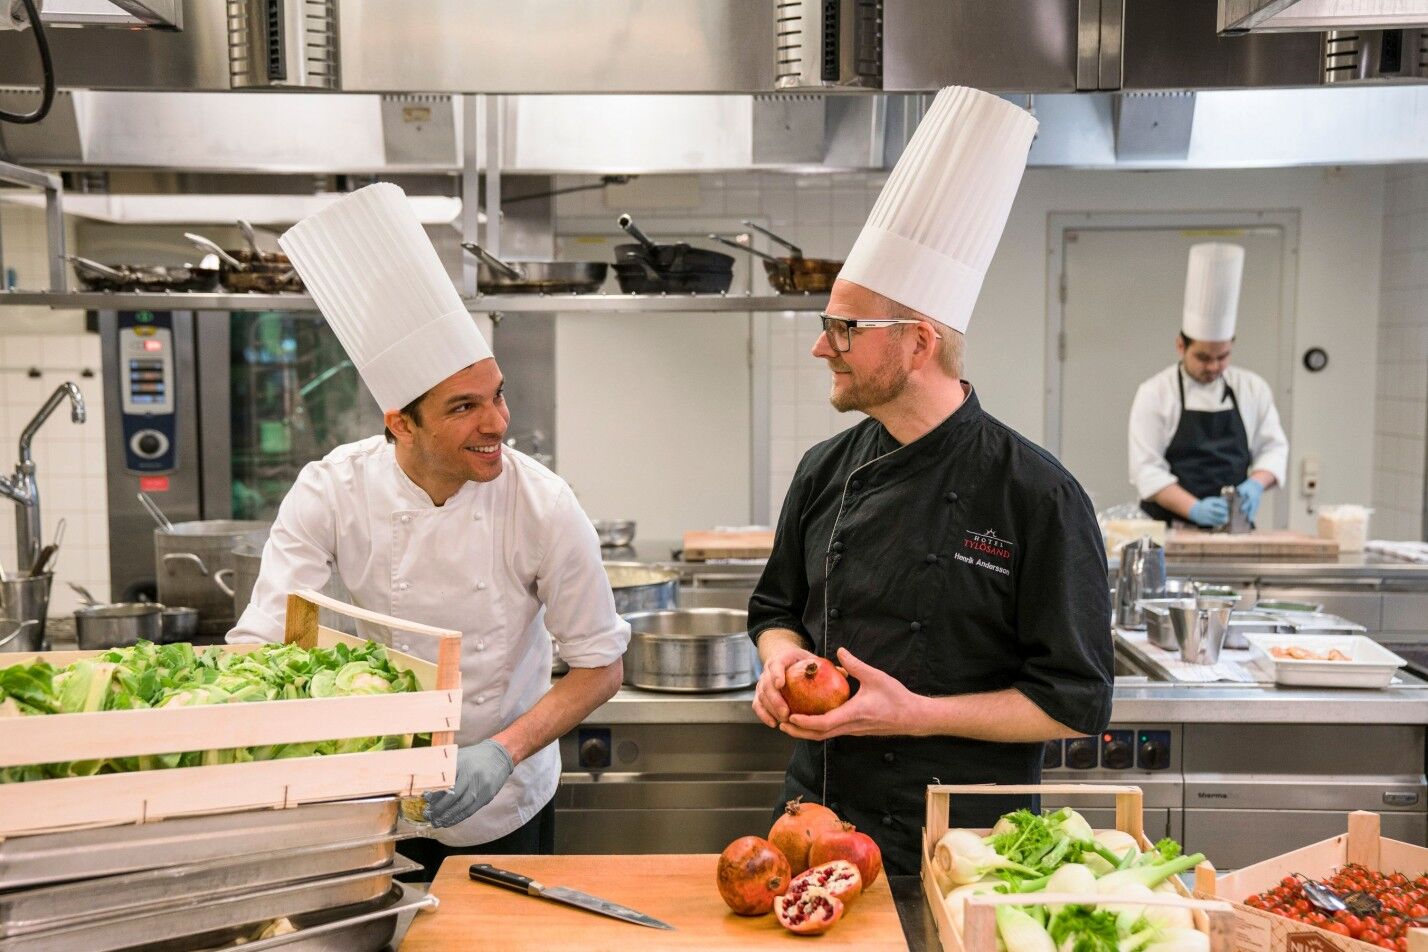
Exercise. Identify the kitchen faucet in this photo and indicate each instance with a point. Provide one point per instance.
(21, 489)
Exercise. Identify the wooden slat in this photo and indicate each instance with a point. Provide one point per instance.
(1363, 845)
(1276, 543)
(300, 628)
(679, 889)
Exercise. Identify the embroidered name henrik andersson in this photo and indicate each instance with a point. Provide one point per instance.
(987, 547)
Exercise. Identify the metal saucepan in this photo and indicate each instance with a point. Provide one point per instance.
(178, 623)
(614, 533)
(666, 260)
(23, 636)
(537, 277)
(690, 650)
(98, 626)
(795, 272)
(248, 269)
(94, 276)
(192, 560)
(637, 587)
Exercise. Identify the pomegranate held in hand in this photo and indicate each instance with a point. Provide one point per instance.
(751, 875)
(847, 843)
(815, 686)
(839, 878)
(793, 833)
(811, 912)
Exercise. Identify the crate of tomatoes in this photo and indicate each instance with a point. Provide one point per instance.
(1291, 903)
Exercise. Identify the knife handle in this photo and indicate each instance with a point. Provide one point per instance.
(486, 873)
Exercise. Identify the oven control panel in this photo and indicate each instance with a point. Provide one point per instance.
(1115, 749)
(146, 390)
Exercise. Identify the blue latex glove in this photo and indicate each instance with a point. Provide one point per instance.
(481, 770)
(1250, 491)
(1210, 512)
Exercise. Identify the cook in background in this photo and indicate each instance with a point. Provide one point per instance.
(1200, 424)
(954, 568)
(440, 523)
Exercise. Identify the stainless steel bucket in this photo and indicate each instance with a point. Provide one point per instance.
(247, 563)
(192, 560)
(1200, 629)
(696, 649)
(642, 588)
(25, 599)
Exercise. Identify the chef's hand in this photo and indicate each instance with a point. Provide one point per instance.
(1210, 512)
(769, 704)
(481, 770)
(882, 705)
(1249, 492)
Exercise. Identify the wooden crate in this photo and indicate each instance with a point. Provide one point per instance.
(112, 799)
(1258, 930)
(1214, 918)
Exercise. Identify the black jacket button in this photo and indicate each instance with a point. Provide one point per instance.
(888, 757)
(931, 557)
(837, 547)
(950, 497)
(855, 485)
(915, 626)
(887, 819)
(833, 613)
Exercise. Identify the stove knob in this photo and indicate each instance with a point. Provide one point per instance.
(1081, 753)
(1116, 755)
(1154, 755)
(1051, 755)
(594, 753)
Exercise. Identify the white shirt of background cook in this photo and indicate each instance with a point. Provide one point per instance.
(1156, 413)
(489, 563)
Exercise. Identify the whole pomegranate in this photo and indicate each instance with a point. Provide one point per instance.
(815, 686)
(751, 875)
(847, 843)
(811, 912)
(793, 833)
(839, 878)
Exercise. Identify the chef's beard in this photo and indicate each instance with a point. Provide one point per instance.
(884, 386)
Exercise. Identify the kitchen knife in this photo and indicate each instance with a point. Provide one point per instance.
(485, 873)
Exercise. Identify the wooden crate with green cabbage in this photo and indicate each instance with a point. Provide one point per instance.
(1039, 883)
(129, 735)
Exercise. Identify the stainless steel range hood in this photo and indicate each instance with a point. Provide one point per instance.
(1299, 16)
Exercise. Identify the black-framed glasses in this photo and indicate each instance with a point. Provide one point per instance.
(839, 330)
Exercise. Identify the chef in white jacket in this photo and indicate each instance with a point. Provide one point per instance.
(1201, 424)
(439, 523)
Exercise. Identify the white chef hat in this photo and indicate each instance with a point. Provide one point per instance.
(379, 283)
(1212, 291)
(935, 226)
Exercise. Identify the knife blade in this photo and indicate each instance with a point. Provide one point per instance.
(486, 873)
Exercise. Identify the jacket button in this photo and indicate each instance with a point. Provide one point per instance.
(888, 757)
(915, 626)
(931, 557)
(406, 518)
(950, 497)
(833, 613)
(887, 819)
(477, 517)
(480, 699)
(404, 586)
(837, 547)
(480, 586)
(855, 485)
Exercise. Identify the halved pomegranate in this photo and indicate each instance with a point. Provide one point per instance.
(812, 912)
(793, 832)
(815, 686)
(751, 875)
(839, 878)
(847, 843)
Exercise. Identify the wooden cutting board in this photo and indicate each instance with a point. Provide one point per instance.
(702, 545)
(678, 889)
(1270, 543)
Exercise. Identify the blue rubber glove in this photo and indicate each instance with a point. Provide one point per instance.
(481, 770)
(1250, 491)
(1210, 512)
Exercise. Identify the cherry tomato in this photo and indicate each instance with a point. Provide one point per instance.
(1338, 928)
(1369, 936)
(1417, 910)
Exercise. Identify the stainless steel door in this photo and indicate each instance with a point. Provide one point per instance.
(1236, 838)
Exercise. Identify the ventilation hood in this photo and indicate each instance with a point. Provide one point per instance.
(1317, 16)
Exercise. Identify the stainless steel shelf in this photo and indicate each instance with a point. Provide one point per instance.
(505, 304)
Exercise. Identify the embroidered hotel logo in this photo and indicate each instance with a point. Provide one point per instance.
(987, 543)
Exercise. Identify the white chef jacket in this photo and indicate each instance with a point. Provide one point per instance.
(1156, 413)
(485, 563)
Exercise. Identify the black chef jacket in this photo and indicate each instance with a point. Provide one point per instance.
(966, 561)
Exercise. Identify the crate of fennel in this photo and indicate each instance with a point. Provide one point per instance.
(130, 735)
(1038, 883)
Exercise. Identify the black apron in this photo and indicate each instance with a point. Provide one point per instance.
(1210, 450)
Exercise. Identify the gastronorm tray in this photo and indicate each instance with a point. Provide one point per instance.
(192, 921)
(1370, 665)
(365, 928)
(52, 907)
(110, 850)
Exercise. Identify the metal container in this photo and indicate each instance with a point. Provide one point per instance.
(1141, 576)
(191, 559)
(367, 927)
(1200, 630)
(642, 588)
(690, 650)
(97, 627)
(23, 599)
(247, 559)
(178, 623)
(614, 533)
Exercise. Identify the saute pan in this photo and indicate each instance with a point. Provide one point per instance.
(537, 277)
(795, 272)
(648, 268)
(94, 276)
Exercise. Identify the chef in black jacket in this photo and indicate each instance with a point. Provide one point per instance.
(954, 568)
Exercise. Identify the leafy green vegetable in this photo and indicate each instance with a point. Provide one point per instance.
(1086, 929)
(147, 675)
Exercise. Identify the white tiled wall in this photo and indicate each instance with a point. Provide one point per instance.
(1401, 400)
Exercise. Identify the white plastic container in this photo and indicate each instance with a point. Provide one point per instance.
(1346, 525)
(1370, 664)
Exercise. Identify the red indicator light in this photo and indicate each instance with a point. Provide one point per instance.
(152, 345)
(1106, 738)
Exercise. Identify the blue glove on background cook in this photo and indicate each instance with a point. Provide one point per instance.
(1210, 512)
(481, 770)
(1249, 492)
